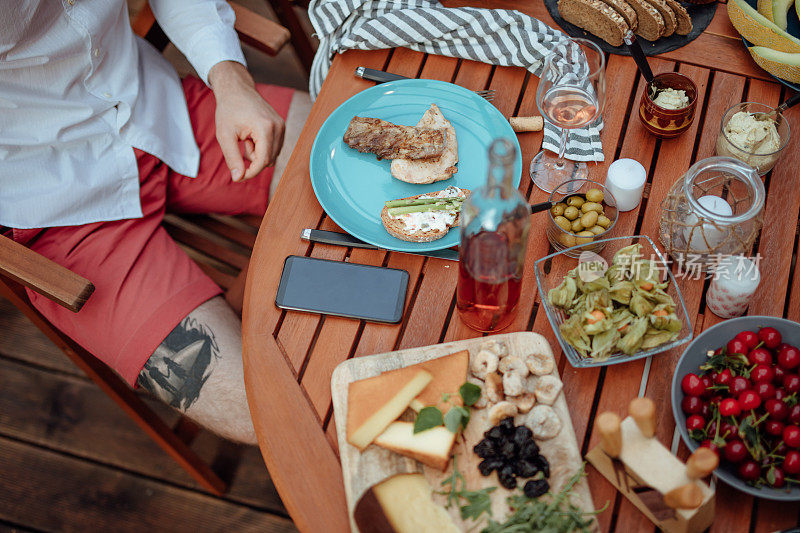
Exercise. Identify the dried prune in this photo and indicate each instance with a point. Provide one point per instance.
(494, 434)
(535, 488)
(524, 468)
(507, 449)
(543, 465)
(522, 434)
(484, 449)
(529, 450)
(506, 425)
(507, 479)
(485, 467)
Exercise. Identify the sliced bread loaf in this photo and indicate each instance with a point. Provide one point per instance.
(682, 16)
(596, 17)
(670, 22)
(651, 23)
(625, 10)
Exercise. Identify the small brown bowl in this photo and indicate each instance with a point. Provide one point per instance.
(663, 122)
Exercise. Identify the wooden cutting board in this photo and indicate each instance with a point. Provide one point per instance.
(363, 469)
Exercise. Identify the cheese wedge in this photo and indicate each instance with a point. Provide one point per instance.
(376, 402)
(401, 504)
(449, 373)
(430, 447)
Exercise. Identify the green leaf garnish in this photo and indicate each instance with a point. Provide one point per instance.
(478, 502)
(428, 417)
(470, 393)
(456, 418)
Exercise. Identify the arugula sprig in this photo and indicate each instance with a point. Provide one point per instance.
(477, 501)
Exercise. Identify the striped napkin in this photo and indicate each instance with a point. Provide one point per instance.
(495, 36)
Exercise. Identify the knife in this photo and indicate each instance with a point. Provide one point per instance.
(345, 239)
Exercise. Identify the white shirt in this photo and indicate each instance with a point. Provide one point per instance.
(78, 90)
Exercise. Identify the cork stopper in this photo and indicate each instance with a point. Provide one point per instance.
(607, 426)
(643, 412)
(688, 496)
(701, 463)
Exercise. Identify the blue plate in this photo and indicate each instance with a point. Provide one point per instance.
(793, 29)
(352, 187)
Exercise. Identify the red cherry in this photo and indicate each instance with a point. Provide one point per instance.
(729, 407)
(794, 415)
(692, 405)
(735, 346)
(771, 337)
(723, 377)
(738, 385)
(780, 393)
(779, 373)
(735, 451)
(774, 428)
(692, 385)
(760, 356)
(705, 410)
(695, 422)
(765, 390)
(728, 430)
(749, 400)
(791, 382)
(762, 373)
(707, 383)
(749, 338)
(791, 462)
(710, 445)
(776, 478)
(791, 436)
(776, 409)
(789, 358)
(749, 470)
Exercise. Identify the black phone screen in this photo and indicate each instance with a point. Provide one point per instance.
(344, 289)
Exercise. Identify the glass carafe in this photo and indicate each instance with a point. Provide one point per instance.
(495, 220)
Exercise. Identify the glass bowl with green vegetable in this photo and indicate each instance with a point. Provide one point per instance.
(615, 306)
(583, 212)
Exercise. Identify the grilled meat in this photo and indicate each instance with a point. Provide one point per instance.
(390, 141)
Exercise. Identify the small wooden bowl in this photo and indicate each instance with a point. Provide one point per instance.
(662, 122)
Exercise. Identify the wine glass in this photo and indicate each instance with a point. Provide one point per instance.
(571, 95)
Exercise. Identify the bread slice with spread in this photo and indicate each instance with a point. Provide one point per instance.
(430, 224)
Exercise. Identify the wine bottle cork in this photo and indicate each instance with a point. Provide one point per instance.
(607, 426)
(521, 124)
(643, 412)
(688, 496)
(701, 463)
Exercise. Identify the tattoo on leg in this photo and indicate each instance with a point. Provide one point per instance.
(181, 364)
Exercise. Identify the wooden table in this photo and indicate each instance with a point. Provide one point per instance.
(289, 356)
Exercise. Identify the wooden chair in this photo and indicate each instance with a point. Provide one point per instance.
(301, 42)
(221, 245)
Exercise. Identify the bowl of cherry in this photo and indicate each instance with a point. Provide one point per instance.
(736, 390)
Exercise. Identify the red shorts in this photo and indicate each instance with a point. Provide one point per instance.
(144, 283)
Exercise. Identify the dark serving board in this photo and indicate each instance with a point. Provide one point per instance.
(793, 27)
(701, 18)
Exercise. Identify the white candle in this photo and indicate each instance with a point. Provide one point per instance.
(736, 279)
(713, 236)
(625, 179)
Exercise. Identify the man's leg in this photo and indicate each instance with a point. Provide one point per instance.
(197, 369)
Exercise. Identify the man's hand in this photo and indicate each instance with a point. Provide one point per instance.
(242, 115)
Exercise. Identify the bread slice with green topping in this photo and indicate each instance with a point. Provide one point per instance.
(596, 17)
(428, 226)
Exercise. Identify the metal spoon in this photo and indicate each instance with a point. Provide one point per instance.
(780, 109)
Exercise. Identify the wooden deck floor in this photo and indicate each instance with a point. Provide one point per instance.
(71, 460)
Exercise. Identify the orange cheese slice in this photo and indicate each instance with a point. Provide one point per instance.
(449, 373)
(376, 402)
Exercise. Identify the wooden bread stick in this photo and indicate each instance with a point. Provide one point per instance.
(643, 412)
(521, 124)
(688, 496)
(608, 427)
(701, 463)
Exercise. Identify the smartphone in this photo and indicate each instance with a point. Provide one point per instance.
(345, 289)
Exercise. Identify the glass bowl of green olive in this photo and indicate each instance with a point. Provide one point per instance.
(582, 211)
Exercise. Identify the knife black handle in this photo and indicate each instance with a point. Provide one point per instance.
(638, 55)
(378, 76)
(789, 103)
(339, 239)
(544, 206)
